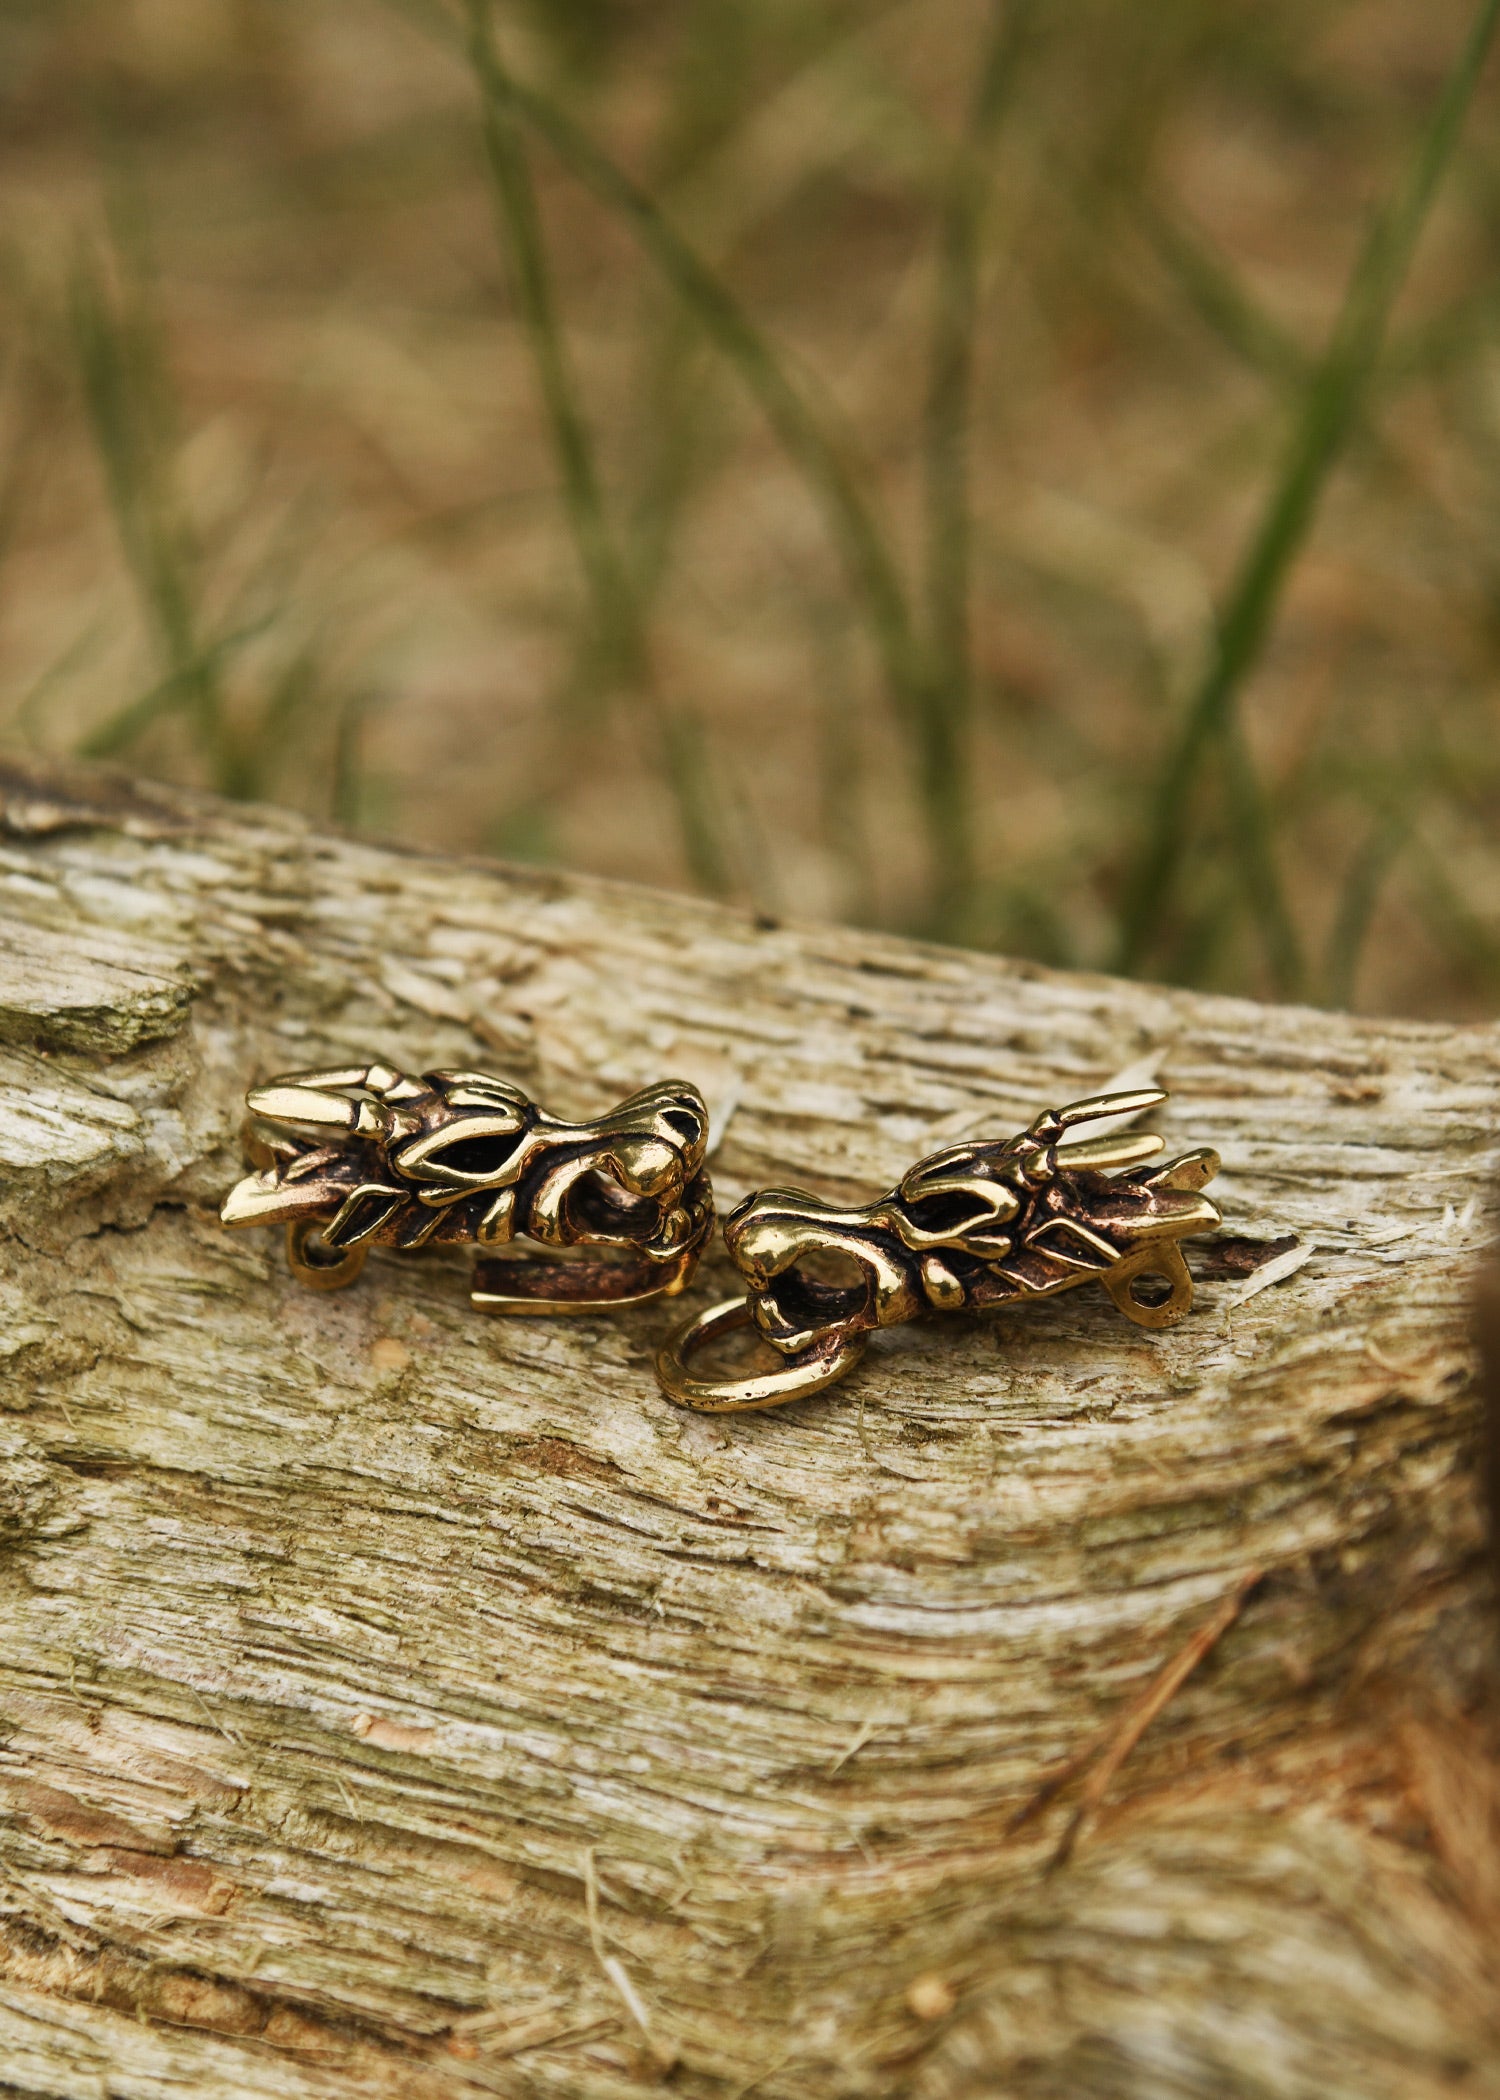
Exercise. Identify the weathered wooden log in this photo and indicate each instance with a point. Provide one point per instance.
(396, 1702)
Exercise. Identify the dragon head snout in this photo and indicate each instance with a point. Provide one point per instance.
(812, 1267)
(647, 1165)
(1167, 1202)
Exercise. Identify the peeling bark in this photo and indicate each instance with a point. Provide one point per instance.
(344, 1640)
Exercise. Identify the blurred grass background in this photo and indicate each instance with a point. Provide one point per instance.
(1027, 474)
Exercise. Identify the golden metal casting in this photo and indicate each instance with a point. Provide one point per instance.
(974, 1228)
(366, 1156)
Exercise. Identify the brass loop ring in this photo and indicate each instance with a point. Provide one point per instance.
(315, 1264)
(807, 1373)
(1163, 1263)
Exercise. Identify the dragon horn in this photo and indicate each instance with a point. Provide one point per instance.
(1127, 1148)
(1135, 1103)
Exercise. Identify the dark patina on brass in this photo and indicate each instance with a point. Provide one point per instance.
(976, 1227)
(368, 1156)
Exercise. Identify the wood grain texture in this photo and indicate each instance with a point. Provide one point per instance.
(346, 1641)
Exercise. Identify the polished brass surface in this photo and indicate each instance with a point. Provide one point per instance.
(367, 1156)
(974, 1228)
(822, 1363)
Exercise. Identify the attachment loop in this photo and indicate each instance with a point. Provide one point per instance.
(810, 1371)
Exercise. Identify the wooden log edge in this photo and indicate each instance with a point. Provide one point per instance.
(398, 1703)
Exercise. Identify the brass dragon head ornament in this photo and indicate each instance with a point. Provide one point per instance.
(364, 1156)
(973, 1228)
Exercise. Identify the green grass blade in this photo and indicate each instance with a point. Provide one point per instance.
(1431, 347)
(1356, 909)
(686, 765)
(1329, 411)
(616, 653)
(52, 678)
(946, 694)
(1470, 940)
(114, 736)
(804, 432)
(1256, 852)
(1220, 300)
(17, 468)
(842, 759)
(289, 703)
(123, 390)
(617, 640)
(349, 782)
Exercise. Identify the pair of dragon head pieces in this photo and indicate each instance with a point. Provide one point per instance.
(362, 1156)
(367, 1155)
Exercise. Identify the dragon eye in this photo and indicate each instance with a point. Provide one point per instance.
(481, 1156)
(949, 1212)
(477, 1156)
(685, 1121)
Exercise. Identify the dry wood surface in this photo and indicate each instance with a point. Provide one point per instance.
(396, 1702)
